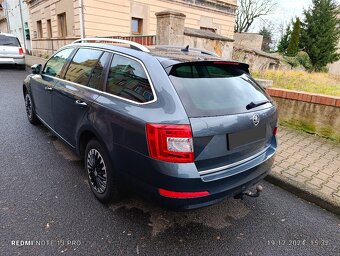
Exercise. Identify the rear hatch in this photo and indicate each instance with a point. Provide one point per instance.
(9, 46)
(232, 118)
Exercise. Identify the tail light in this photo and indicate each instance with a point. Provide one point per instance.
(275, 131)
(21, 51)
(170, 143)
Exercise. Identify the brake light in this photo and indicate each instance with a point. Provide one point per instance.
(175, 194)
(226, 63)
(21, 51)
(275, 131)
(170, 143)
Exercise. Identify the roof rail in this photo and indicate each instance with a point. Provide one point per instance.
(133, 45)
(186, 49)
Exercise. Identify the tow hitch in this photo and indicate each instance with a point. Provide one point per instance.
(259, 189)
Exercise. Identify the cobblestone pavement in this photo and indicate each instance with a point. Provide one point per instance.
(310, 165)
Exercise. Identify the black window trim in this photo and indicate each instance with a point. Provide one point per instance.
(66, 68)
(66, 65)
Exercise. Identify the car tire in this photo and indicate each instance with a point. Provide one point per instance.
(101, 176)
(32, 117)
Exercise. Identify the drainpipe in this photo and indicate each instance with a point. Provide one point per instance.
(81, 19)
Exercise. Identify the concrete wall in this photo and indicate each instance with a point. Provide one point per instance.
(313, 113)
(249, 40)
(108, 18)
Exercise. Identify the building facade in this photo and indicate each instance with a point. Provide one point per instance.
(16, 17)
(3, 17)
(54, 23)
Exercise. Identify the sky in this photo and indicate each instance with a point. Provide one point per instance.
(285, 11)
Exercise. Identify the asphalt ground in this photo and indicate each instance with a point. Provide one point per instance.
(47, 208)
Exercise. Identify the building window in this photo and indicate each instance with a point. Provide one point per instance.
(39, 29)
(137, 26)
(49, 28)
(208, 29)
(62, 26)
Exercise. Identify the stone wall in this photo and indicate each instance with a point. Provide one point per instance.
(313, 113)
(259, 60)
(171, 31)
(249, 40)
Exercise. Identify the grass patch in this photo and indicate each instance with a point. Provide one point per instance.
(299, 125)
(321, 83)
(325, 132)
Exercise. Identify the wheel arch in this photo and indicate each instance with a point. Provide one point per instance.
(26, 85)
(84, 136)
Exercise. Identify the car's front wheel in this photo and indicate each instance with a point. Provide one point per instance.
(101, 175)
(32, 117)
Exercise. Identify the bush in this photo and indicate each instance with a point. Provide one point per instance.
(300, 60)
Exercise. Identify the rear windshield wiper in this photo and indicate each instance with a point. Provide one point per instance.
(256, 104)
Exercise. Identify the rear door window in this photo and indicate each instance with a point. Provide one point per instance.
(55, 64)
(209, 89)
(82, 65)
(9, 41)
(127, 79)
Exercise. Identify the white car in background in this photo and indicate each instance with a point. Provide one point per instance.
(11, 52)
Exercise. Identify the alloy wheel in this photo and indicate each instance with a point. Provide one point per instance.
(96, 169)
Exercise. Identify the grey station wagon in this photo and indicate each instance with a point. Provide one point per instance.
(180, 126)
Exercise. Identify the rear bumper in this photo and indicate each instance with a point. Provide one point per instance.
(12, 61)
(152, 175)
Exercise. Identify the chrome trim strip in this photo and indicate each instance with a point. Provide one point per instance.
(49, 127)
(234, 164)
(108, 94)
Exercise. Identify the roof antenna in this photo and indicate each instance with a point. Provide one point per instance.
(186, 49)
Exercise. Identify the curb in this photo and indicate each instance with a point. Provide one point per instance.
(303, 192)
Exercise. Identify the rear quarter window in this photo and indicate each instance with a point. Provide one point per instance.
(208, 89)
(127, 79)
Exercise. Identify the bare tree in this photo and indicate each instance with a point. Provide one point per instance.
(249, 10)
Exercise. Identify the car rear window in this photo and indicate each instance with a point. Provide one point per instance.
(9, 41)
(213, 89)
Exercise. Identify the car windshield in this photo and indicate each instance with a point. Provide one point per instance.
(210, 89)
(9, 41)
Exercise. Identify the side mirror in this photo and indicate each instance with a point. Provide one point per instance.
(36, 69)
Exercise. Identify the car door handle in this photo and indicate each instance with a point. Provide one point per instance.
(47, 88)
(81, 103)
